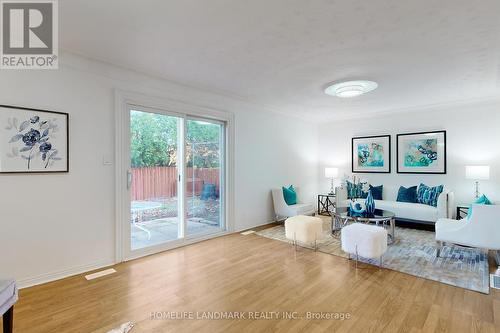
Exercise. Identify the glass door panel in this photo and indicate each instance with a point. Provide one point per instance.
(153, 178)
(204, 184)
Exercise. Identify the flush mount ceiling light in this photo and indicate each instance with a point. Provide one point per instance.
(350, 88)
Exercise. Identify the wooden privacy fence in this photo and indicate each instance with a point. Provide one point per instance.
(161, 182)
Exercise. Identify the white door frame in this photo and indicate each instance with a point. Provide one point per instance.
(123, 99)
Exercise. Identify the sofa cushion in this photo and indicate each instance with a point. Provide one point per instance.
(429, 195)
(407, 194)
(411, 211)
(302, 208)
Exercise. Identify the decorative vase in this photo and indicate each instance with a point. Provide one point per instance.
(370, 204)
(356, 210)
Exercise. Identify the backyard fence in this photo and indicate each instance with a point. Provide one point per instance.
(161, 182)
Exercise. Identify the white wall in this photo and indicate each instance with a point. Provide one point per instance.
(473, 133)
(54, 225)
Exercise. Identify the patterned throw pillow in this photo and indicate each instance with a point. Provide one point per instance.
(429, 195)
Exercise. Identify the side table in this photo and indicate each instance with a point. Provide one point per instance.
(462, 211)
(326, 203)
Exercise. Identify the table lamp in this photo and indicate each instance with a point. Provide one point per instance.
(477, 173)
(331, 173)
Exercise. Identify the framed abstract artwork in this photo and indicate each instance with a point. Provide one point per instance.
(423, 152)
(33, 141)
(371, 154)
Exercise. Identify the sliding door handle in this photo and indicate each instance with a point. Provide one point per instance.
(129, 179)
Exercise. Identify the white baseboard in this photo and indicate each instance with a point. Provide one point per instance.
(255, 226)
(57, 275)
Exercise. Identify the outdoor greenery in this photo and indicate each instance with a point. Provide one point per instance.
(154, 141)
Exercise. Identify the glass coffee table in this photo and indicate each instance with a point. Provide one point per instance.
(341, 217)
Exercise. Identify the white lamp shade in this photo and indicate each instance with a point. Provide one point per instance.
(331, 172)
(477, 172)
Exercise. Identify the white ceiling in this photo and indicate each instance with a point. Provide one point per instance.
(281, 53)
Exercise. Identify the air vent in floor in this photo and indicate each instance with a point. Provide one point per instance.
(100, 274)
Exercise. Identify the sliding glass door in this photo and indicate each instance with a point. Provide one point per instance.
(154, 174)
(204, 162)
(175, 178)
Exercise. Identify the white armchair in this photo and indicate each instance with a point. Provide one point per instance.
(283, 211)
(481, 230)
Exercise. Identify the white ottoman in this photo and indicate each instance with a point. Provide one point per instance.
(303, 229)
(367, 241)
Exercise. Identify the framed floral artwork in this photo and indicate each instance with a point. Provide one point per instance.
(33, 141)
(423, 152)
(371, 154)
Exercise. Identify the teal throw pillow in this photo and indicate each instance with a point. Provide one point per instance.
(377, 192)
(290, 195)
(407, 194)
(483, 200)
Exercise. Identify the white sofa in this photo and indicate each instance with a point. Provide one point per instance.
(405, 211)
(283, 211)
(480, 230)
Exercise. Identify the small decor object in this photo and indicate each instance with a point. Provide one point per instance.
(477, 173)
(422, 152)
(357, 188)
(356, 210)
(331, 173)
(33, 141)
(290, 195)
(370, 204)
(371, 154)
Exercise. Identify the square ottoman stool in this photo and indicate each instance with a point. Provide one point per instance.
(367, 241)
(303, 229)
(8, 297)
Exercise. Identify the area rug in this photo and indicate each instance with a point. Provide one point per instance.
(414, 252)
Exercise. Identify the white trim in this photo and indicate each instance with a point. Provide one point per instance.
(122, 100)
(61, 274)
(182, 181)
(257, 225)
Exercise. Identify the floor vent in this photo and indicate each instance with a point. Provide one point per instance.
(248, 232)
(495, 281)
(100, 274)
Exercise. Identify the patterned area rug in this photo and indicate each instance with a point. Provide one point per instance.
(414, 253)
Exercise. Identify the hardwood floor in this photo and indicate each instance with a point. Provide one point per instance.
(251, 273)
